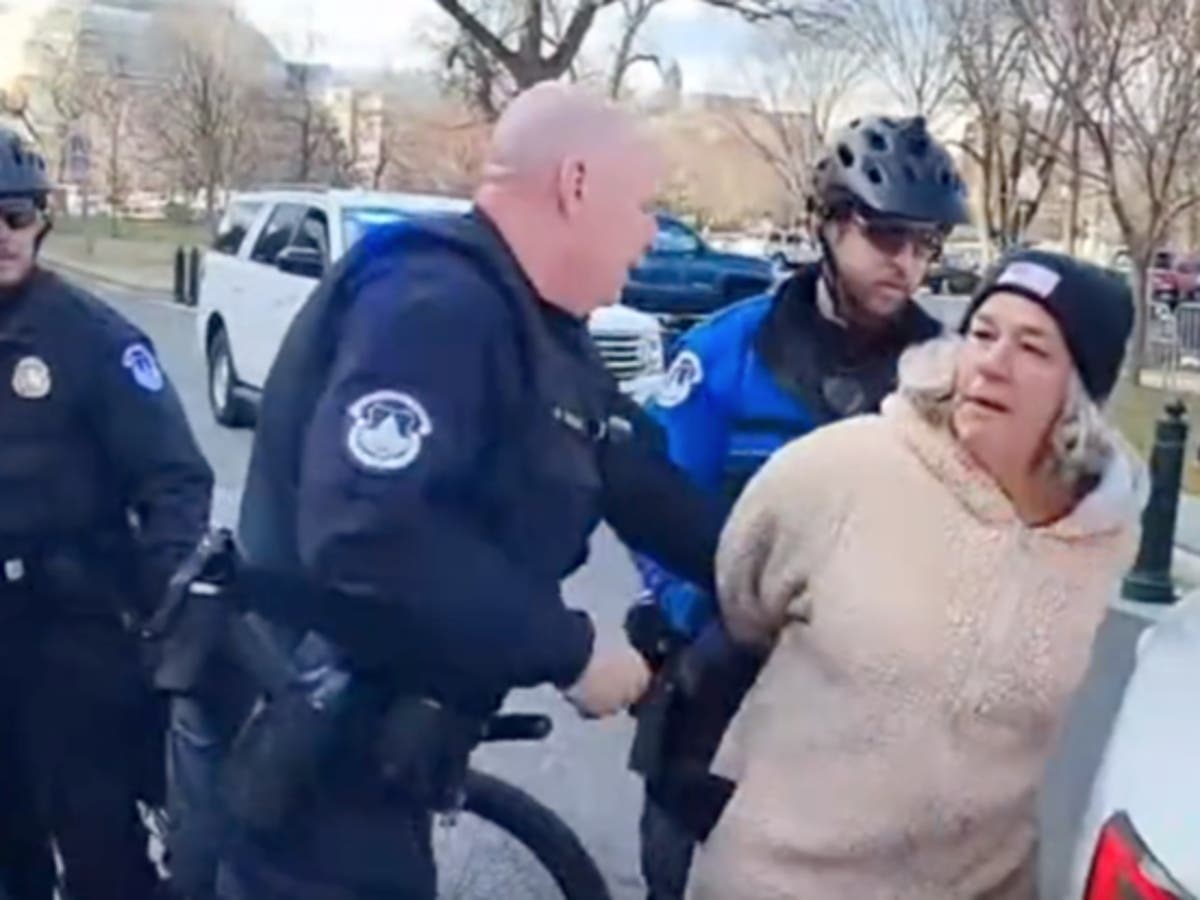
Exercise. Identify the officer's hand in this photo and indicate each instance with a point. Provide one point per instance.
(615, 678)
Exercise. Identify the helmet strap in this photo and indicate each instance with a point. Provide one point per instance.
(43, 233)
(829, 269)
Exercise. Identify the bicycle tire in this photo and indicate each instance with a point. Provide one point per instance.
(540, 831)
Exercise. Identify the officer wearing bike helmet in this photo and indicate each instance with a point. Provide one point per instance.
(102, 492)
(824, 345)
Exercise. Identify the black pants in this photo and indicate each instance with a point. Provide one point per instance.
(76, 738)
(350, 848)
(666, 853)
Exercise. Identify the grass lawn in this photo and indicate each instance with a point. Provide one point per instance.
(1136, 409)
(143, 253)
(138, 231)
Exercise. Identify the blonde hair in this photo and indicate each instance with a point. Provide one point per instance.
(1080, 444)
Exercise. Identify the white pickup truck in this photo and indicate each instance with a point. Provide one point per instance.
(268, 254)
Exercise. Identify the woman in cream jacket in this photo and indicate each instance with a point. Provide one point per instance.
(928, 583)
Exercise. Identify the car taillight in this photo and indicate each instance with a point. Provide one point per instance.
(1124, 869)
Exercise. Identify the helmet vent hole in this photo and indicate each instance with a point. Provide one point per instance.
(918, 147)
(846, 155)
(888, 122)
(910, 174)
(876, 141)
(874, 175)
(944, 176)
(854, 123)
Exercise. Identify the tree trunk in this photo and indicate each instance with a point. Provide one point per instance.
(1141, 292)
(1194, 211)
(210, 204)
(1076, 188)
(114, 175)
(306, 141)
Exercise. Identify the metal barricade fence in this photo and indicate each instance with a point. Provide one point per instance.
(1173, 339)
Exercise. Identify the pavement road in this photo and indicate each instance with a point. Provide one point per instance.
(580, 770)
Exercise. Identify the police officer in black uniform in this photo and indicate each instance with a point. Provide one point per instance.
(102, 493)
(437, 441)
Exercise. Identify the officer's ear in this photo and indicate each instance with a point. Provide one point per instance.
(572, 184)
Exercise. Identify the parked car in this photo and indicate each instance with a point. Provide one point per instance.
(273, 245)
(789, 249)
(954, 272)
(1173, 277)
(1140, 836)
(682, 280)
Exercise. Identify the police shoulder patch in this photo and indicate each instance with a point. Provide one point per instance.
(143, 367)
(685, 373)
(31, 378)
(386, 430)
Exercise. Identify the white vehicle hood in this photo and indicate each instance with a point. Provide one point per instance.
(622, 319)
(1151, 769)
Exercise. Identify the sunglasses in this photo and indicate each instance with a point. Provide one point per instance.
(892, 236)
(19, 219)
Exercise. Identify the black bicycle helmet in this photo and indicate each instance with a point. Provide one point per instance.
(22, 170)
(889, 167)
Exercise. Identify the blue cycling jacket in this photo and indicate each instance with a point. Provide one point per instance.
(754, 377)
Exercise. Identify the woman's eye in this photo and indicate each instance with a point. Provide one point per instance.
(1036, 349)
(982, 335)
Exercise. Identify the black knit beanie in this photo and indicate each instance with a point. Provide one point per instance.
(1093, 308)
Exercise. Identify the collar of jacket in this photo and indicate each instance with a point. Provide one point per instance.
(1112, 506)
(796, 311)
(13, 298)
(21, 308)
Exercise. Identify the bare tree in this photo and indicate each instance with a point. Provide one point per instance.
(635, 14)
(318, 152)
(1013, 141)
(473, 73)
(205, 108)
(905, 43)
(800, 82)
(1129, 71)
(63, 85)
(511, 45)
(110, 100)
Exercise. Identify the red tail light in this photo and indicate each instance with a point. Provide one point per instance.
(1124, 869)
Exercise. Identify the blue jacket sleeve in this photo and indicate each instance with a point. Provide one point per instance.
(397, 435)
(697, 442)
(141, 423)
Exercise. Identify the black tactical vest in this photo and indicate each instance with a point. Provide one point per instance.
(537, 496)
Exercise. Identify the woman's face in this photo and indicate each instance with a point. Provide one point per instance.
(1011, 384)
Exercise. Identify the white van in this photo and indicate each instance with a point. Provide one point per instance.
(272, 246)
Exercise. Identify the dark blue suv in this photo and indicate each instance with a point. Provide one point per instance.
(682, 280)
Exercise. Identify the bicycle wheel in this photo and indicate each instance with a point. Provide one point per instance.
(506, 844)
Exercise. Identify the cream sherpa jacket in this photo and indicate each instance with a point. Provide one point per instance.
(925, 646)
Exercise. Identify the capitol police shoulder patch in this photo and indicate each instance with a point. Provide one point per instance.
(685, 373)
(143, 367)
(387, 429)
(31, 378)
